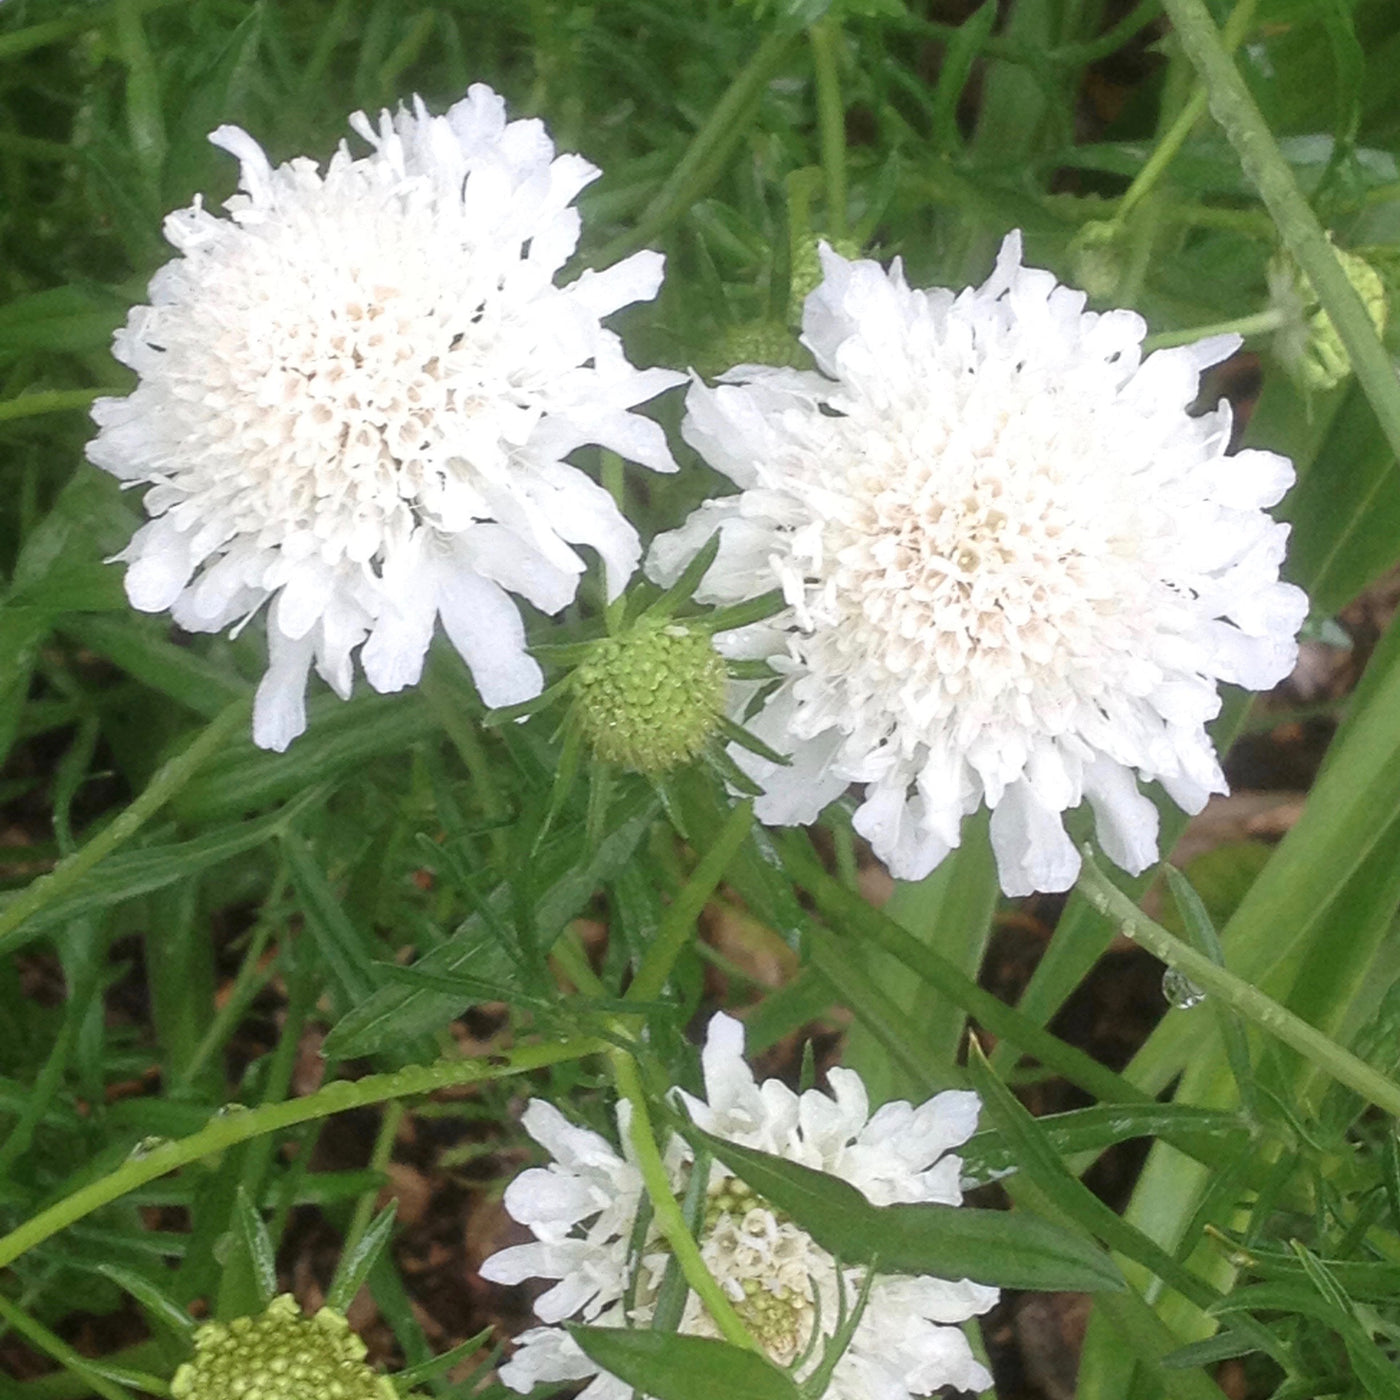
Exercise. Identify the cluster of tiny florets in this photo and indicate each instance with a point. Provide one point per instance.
(280, 1354)
(650, 698)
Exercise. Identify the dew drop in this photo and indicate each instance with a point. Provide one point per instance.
(1180, 991)
(228, 1110)
(145, 1147)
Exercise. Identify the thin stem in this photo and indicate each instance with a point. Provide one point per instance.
(1175, 137)
(857, 922)
(228, 1130)
(246, 984)
(1236, 993)
(1235, 109)
(709, 148)
(1258, 324)
(54, 31)
(678, 923)
(40, 1337)
(825, 37)
(670, 1219)
(378, 1162)
(168, 780)
(45, 401)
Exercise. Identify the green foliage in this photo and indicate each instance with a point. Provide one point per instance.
(410, 858)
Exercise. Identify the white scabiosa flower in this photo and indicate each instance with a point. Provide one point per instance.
(583, 1209)
(356, 396)
(1015, 566)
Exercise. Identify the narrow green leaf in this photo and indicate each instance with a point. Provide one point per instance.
(257, 1244)
(989, 1246)
(341, 944)
(672, 1367)
(159, 1306)
(425, 1371)
(355, 1264)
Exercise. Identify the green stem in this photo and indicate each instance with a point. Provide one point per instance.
(670, 1219)
(1236, 993)
(378, 1162)
(825, 37)
(168, 780)
(229, 1130)
(1234, 108)
(1259, 323)
(460, 728)
(857, 922)
(46, 401)
(246, 985)
(1176, 135)
(54, 31)
(40, 1336)
(709, 148)
(678, 924)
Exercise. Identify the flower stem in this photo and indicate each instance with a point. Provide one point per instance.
(824, 36)
(229, 1129)
(1259, 323)
(676, 927)
(709, 148)
(1235, 109)
(1175, 137)
(1236, 993)
(46, 401)
(670, 1219)
(168, 780)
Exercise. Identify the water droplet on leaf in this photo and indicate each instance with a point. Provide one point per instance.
(1180, 991)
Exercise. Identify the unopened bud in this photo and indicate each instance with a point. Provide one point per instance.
(280, 1354)
(1307, 344)
(649, 699)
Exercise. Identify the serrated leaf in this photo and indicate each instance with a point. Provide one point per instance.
(987, 1246)
(669, 1366)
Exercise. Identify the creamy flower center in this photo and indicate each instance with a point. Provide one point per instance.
(336, 386)
(978, 580)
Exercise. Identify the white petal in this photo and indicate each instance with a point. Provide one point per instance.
(1033, 850)
(485, 627)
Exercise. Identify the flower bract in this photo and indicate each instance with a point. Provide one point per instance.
(1015, 566)
(582, 1209)
(356, 396)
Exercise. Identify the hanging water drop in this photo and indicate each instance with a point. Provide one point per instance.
(1180, 991)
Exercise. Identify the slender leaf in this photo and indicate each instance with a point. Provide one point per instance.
(672, 1367)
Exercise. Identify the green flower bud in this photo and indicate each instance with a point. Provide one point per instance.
(280, 1355)
(806, 275)
(753, 343)
(650, 698)
(1098, 260)
(1307, 344)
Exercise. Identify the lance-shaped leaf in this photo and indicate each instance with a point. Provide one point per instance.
(672, 1367)
(988, 1246)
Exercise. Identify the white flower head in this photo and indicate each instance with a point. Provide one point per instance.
(1015, 567)
(583, 1209)
(356, 395)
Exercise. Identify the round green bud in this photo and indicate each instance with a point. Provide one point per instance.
(280, 1354)
(1307, 344)
(1097, 260)
(806, 274)
(649, 698)
(753, 343)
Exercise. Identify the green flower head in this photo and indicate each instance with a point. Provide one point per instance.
(280, 1354)
(650, 697)
(807, 274)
